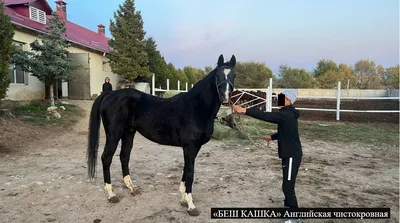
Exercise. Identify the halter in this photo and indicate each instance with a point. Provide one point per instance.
(225, 81)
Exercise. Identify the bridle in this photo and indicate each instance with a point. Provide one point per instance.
(225, 81)
(230, 102)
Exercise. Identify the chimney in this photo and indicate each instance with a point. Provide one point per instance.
(62, 10)
(101, 29)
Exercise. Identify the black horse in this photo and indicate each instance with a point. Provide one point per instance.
(185, 120)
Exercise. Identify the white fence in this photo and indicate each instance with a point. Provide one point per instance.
(338, 98)
(154, 89)
(268, 100)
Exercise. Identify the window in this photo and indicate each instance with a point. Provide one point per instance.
(37, 15)
(17, 75)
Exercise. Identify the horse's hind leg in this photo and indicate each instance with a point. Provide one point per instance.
(126, 148)
(106, 158)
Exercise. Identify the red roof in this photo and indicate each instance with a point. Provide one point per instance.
(17, 2)
(22, 2)
(75, 33)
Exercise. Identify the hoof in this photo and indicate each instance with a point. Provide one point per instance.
(193, 212)
(114, 199)
(184, 204)
(135, 191)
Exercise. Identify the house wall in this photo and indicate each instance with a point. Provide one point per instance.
(97, 74)
(34, 89)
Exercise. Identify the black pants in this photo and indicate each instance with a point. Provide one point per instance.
(290, 167)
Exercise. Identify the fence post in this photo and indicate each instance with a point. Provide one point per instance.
(186, 86)
(153, 84)
(192, 85)
(270, 94)
(338, 103)
(179, 85)
(267, 100)
(167, 84)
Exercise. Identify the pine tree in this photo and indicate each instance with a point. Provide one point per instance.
(6, 50)
(128, 56)
(48, 60)
(157, 64)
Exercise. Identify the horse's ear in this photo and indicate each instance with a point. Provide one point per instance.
(220, 60)
(233, 61)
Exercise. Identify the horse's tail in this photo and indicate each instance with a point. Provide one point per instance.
(94, 126)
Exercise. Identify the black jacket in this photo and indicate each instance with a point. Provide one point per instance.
(289, 144)
(107, 87)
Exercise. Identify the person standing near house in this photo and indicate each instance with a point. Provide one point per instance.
(107, 85)
(289, 145)
(132, 84)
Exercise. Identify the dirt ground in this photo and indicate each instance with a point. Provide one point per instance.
(43, 178)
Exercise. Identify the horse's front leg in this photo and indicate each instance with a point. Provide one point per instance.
(190, 154)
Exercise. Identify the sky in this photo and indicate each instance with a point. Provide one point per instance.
(293, 32)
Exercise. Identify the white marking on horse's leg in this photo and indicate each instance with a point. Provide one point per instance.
(129, 184)
(189, 201)
(182, 189)
(108, 189)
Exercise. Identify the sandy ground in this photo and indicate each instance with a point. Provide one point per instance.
(45, 179)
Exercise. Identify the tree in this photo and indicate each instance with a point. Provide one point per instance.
(157, 64)
(365, 68)
(6, 50)
(348, 76)
(48, 60)
(193, 74)
(295, 78)
(367, 74)
(324, 66)
(252, 75)
(380, 71)
(391, 77)
(344, 74)
(183, 79)
(128, 56)
(208, 69)
(172, 72)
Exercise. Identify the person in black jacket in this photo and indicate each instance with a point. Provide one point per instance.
(289, 145)
(107, 85)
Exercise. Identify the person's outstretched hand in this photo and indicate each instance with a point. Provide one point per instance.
(238, 109)
(267, 138)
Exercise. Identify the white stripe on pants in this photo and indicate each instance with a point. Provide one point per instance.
(290, 168)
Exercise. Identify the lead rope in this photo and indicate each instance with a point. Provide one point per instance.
(237, 124)
(239, 129)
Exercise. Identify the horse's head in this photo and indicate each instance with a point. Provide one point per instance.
(225, 78)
